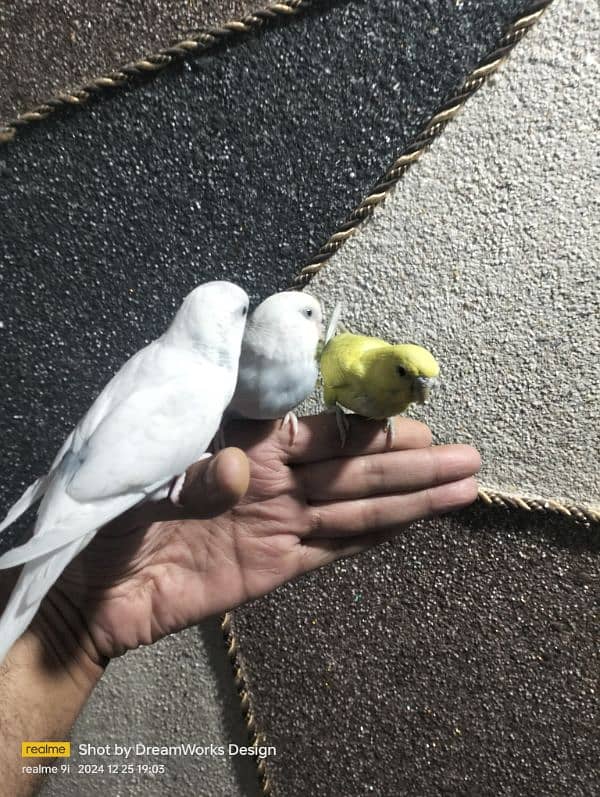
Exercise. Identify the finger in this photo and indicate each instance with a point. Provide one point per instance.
(351, 518)
(318, 437)
(392, 472)
(211, 486)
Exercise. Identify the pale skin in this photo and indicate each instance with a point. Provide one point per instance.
(249, 522)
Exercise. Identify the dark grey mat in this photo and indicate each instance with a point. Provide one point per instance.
(49, 46)
(237, 165)
(460, 660)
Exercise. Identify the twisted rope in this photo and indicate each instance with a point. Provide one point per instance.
(488, 66)
(194, 44)
(239, 676)
(580, 513)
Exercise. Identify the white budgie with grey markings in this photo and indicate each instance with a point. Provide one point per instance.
(153, 420)
(278, 363)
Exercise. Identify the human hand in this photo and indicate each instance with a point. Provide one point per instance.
(251, 522)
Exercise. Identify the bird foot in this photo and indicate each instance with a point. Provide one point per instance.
(343, 424)
(160, 494)
(389, 432)
(291, 419)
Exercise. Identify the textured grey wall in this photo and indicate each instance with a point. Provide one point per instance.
(180, 690)
(488, 254)
(461, 659)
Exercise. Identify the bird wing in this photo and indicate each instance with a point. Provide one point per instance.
(151, 436)
(97, 411)
(343, 367)
(341, 361)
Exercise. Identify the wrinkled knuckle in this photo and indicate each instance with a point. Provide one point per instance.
(372, 471)
(429, 503)
(316, 521)
(369, 515)
(435, 466)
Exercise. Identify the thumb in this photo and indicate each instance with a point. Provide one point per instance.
(214, 485)
(211, 486)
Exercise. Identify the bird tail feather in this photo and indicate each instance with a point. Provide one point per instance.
(333, 322)
(31, 495)
(38, 546)
(36, 579)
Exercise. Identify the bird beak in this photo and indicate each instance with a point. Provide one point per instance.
(423, 385)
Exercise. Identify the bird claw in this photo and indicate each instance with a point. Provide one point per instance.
(389, 432)
(160, 494)
(291, 419)
(343, 424)
(175, 490)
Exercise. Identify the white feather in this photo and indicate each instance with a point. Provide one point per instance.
(154, 418)
(31, 496)
(278, 362)
(333, 322)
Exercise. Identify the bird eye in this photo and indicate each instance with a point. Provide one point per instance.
(400, 370)
(308, 312)
(244, 310)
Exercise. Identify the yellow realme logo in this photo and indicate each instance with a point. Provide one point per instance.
(45, 749)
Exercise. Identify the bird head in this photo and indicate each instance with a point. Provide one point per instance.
(416, 369)
(290, 322)
(212, 319)
(404, 373)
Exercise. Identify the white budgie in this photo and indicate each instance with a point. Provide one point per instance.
(154, 418)
(278, 363)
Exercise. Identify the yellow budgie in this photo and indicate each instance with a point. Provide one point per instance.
(373, 378)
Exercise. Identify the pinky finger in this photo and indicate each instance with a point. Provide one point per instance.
(319, 551)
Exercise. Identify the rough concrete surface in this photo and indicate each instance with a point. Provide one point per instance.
(488, 255)
(55, 45)
(179, 691)
(236, 165)
(460, 660)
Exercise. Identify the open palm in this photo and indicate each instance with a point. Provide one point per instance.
(252, 521)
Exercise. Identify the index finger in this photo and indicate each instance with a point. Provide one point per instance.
(318, 437)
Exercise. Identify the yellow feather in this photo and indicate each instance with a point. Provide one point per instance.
(374, 378)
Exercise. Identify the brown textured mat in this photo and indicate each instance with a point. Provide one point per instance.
(52, 45)
(460, 660)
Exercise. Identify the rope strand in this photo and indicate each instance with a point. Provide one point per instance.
(194, 44)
